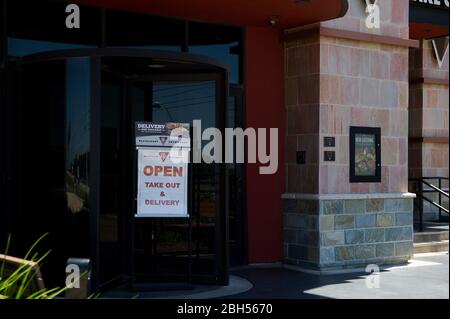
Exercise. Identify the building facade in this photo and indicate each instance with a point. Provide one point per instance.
(360, 109)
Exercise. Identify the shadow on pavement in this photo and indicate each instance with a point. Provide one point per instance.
(281, 283)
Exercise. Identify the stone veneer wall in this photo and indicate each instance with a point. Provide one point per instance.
(344, 233)
(333, 83)
(428, 120)
(429, 113)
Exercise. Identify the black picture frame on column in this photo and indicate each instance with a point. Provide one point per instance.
(365, 154)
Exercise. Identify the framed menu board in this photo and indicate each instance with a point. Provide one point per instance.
(365, 154)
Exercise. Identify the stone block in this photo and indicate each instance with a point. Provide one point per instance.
(390, 151)
(374, 235)
(291, 91)
(399, 233)
(344, 221)
(332, 207)
(364, 251)
(398, 205)
(309, 238)
(326, 222)
(298, 252)
(333, 238)
(370, 89)
(327, 255)
(295, 221)
(354, 236)
(299, 221)
(349, 90)
(308, 206)
(385, 250)
(345, 253)
(404, 248)
(404, 219)
(379, 63)
(385, 220)
(375, 205)
(313, 254)
(355, 206)
(290, 236)
(389, 92)
(290, 206)
(399, 67)
(365, 221)
(293, 61)
(287, 221)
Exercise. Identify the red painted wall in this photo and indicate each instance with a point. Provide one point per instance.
(264, 92)
(264, 106)
(264, 84)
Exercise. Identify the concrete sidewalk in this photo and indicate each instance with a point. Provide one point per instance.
(425, 277)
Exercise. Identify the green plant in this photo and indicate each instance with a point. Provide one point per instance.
(16, 285)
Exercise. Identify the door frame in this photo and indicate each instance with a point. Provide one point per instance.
(240, 253)
(221, 213)
(95, 55)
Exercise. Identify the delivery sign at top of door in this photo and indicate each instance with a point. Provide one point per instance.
(166, 135)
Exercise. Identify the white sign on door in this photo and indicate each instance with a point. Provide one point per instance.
(162, 182)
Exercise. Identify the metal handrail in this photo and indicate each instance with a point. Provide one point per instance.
(435, 204)
(436, 189)
(432, 191)
(420, 182)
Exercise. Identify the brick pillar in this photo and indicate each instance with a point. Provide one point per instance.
(338, 76)
(428, 118)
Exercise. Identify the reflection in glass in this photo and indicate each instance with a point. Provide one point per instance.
(222, 53)
(42, 206)
(39, 26)
(77, 135)
(184, 102)
(220, 42)
(161, 245)
(22, 47)
(111, 179)
(55, 108)
(135, 30)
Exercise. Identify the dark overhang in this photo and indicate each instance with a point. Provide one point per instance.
(428, 18)
(285, 13)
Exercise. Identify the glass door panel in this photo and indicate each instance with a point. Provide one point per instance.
(53, 161)
(75, 136)
(111, 178)
(162, 245)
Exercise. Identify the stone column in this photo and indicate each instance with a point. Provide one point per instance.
(428, 119)
(341, 74)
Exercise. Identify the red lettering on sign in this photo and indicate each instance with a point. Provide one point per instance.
(167, 170)
(171, 171)
(178, 171)
(148, 170)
